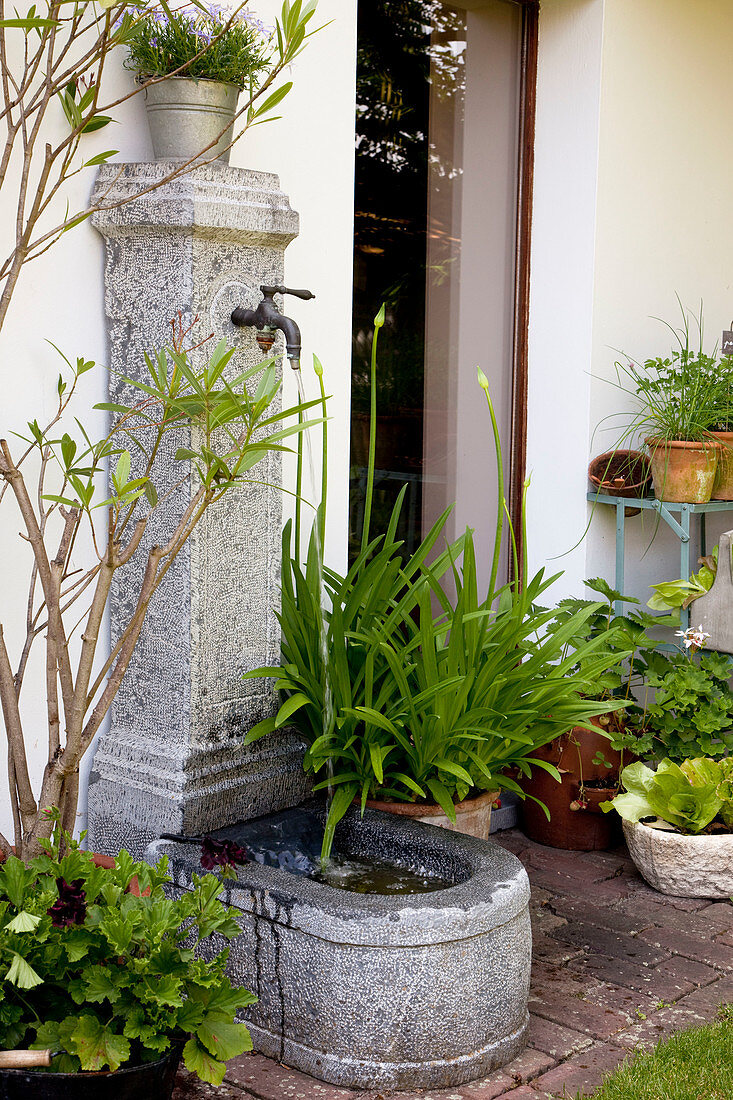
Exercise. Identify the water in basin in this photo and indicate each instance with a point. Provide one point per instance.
(291, 840)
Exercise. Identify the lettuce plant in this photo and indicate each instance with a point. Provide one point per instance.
(687, 796)
(100, 965)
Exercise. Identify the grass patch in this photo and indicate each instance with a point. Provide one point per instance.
(693, 1065)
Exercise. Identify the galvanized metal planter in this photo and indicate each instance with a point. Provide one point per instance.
(186, 115)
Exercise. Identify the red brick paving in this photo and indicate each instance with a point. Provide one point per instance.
(617, 966)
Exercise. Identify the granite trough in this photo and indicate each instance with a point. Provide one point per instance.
(419, 990)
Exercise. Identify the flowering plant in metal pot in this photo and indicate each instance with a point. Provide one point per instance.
(102, 971)
(195, 61)
(412, 688)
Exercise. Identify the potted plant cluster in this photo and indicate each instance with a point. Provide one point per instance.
(589, 760)
(686, 733)
(195, 61)
(683, 400)
(104, 977)
(410, 687)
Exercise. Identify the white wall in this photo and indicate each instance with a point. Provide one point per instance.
(312, 150)
(60, 297)
(631, 208)
(664, 224)
(561, 289)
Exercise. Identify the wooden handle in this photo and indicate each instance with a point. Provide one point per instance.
(24, 1059)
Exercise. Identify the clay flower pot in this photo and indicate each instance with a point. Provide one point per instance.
(723, 487)
(473, 815)
(575, 823)
(685, 866)
(683, 472)
(621, 473)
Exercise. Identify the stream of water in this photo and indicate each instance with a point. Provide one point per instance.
(328, 714)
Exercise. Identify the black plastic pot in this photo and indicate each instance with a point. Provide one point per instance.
(153, 1081)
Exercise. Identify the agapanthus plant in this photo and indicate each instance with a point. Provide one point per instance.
(407, 682)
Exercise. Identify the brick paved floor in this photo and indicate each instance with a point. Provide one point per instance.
(616, 966)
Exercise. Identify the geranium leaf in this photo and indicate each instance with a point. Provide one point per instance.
(165, 990)
(23, 922)
(100, 986)
(98, 1046)
(14, 877)
(22, 974)
(197, 1059)
(223, 1038)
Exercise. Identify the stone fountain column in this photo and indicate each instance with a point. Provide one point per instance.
(173, 758)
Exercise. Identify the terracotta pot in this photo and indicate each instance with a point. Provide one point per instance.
(581, 830)
(473, 815)
(621, 474)
(683, 472)
(591, 797)
(723, 487)
(109, 862)
(684, 866)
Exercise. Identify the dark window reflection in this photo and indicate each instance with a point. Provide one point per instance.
(410, 60)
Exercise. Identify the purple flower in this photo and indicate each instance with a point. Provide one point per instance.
(221, 853)
(71, 905)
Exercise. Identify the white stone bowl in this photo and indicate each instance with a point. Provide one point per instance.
(687, 866)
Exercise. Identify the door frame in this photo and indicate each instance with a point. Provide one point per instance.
(522, 265)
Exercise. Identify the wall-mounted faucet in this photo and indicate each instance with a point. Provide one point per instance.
(267, 320)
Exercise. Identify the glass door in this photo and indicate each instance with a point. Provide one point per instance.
(437, 131)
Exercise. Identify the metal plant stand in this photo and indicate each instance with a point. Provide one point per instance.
(681, 527)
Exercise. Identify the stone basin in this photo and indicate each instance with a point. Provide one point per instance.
(411, 991)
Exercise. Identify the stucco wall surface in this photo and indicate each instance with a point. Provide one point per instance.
(631, 210)
(663, 219)
(60, 297)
